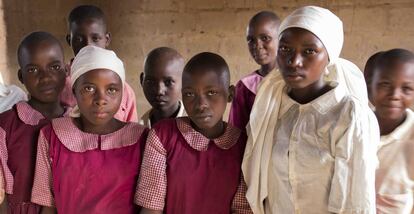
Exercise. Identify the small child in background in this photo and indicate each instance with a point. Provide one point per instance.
(42, 71)
(262, 41)
(369, 71)
(193, 164)
(392, 94)
(87, 26)
(161, 82)
(90, 163)
(10, 95)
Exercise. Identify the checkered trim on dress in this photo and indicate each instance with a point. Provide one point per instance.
(200, 143)
(8, 180)
(27, 114)
(43, 181)
(76, 140)
(240, 203)
(152, 182)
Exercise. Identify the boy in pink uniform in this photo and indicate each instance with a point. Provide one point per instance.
(89, 163)
(262, 42)
(42, 71)
(87, 26)
(193, 164)
(392, 94)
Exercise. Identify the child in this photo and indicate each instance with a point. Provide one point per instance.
(42, 71)
(90, 163)
(87, 26)
(369, 71)
(312, 144)
(161, 81)
(262, 42)
(10, 95)
(192, 164)
(392, 93)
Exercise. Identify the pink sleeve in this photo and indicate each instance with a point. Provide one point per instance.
(128, 109)
(42, 185)
(7, 177)
(241, 106)
(152, 182)
(240, 203)
(66, 96)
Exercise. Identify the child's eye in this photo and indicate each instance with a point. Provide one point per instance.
(77, 39)
(310, 51)
(168, 83)
(407, 90)
(89, 89)
(56, 67)
(95, 39)
(32, 70)
(284, 49)
(112, 90)
(188, 94)
(211, 93)
(265, 38)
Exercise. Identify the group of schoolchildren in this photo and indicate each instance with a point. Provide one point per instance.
(305, 134)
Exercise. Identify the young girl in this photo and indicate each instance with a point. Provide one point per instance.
(312, 144)
(262, 42)
(43, 73)
(89, 163)
(193, 164)
(392, 93)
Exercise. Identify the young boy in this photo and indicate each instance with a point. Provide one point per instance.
(10, 95)
(392, 93)
(192, 164)
(161, 82)
(369, 72)
(87, 26)
(262, 42)
(42, 71)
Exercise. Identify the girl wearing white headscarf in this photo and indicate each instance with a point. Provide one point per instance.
(90, 162)
(317, 157)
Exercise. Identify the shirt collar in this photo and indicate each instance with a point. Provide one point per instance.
(76, 140)
(401, 132)
(200, 143)
(31, 116)
(146, 121)
(322, 104)
(4, 91)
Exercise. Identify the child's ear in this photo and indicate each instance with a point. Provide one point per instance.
(20, 76)
(141, 78)
(68, 39)
(231, 93)
(108, 39)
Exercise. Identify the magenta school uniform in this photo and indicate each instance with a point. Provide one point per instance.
(185, 172)
(79, 172)
(19, 129)
(243, 101)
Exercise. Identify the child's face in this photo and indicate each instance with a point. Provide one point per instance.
(262, 41)
(88, 32)
(42, 71)
(205, 97)
(98, 94)
(392, 90)
(162, 85)
(302, 58)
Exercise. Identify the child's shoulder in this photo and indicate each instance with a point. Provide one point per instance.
(168, 124)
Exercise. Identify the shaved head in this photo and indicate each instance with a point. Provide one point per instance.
(162, 55)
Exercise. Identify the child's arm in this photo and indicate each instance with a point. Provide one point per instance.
(353, 181)
(148, 211)
(42, 185)
(48, 210)
(240, 203)
(152, 182)
(3, 205)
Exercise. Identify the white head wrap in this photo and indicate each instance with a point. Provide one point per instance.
(264, 115)
(90, 58)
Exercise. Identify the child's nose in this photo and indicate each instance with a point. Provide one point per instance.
(201, 103)
(295, 60)
(100, 98)
(161, 89)
(396, 93)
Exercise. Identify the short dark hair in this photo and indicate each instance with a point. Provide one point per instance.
(265, 15)
(370, 67)
(156, 54)
(390, 58)
(210, 62)
(33, 39)
(84, 12)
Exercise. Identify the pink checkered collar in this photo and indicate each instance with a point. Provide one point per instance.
(31, 116)
(76, 140)
(200, 143)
